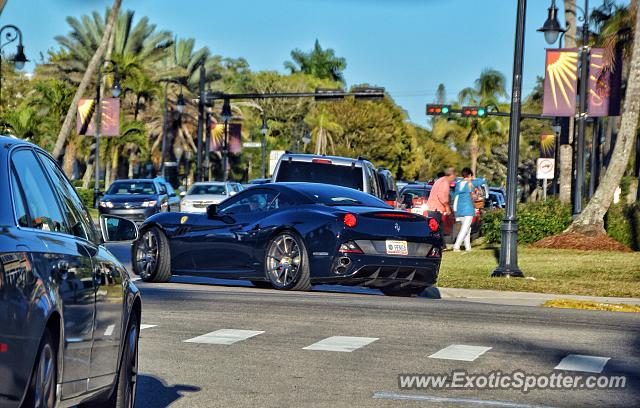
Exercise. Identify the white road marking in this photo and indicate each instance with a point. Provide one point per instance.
(224, 336)
(457, 401)
(109, 330)
(460, 352)
(341, 343)
(147, 326)
(578, 362)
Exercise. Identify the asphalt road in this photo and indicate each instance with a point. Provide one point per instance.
(266, 360)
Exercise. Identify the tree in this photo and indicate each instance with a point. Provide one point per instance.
(92, 68)
(323, 129)
(591, 220)
(318, 62)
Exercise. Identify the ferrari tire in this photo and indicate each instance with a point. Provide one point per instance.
(152, 257)
(287, 263)
(402, 292)
(43, 383)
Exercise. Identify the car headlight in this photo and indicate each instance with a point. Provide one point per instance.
(151, 203)
(106, 204)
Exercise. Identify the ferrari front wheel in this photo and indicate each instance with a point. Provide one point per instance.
(152, 258)
(287, 263)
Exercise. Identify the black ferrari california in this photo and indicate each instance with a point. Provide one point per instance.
(291, 236)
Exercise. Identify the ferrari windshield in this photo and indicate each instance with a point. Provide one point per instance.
(132, 187)
(212, 189)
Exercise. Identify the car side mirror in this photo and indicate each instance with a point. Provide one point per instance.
(212, 211)
(117, 229)
(391, 196)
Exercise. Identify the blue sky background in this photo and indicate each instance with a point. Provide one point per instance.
(407, 46)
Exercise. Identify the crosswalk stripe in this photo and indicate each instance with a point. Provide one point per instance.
(224, 336)
(579, 362)
(147, 326)
(341, 343)
(460, 352)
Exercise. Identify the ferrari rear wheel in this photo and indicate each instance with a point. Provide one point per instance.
(152, 256)
(287, 263)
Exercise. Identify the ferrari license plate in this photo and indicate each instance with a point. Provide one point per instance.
(397, 248)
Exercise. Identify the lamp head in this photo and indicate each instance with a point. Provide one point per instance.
(20, 59)
(552, 28)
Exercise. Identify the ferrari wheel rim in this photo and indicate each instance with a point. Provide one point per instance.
(147, 254)
(131, 373)
(45, 379)
(284, 260)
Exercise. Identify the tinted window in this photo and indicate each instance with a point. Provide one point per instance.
(346, 197)
(18, 203)
(78, 217)
(44, 212)
(255, 201)
(416, 192)
(214, 189)
(132, 187)
(346, 176)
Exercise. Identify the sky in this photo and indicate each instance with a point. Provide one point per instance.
(406, 46)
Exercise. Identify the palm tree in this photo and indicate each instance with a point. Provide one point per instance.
(92, 67)
(318, 62)
(591, 220)
(323, 129)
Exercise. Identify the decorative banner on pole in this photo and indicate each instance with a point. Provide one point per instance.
(217, 138)
(110, 125)
(547, 145)
(604, 85)
(560, 83)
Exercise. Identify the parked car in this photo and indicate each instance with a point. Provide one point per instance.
(388, 187)
(203, 194)
(174, 199)
(69, 313)
(359, 174)
(135, 200)
(292, 235)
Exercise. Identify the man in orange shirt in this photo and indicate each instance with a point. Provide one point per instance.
(439, 198)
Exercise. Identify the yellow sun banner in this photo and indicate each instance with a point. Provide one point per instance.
(561, 83)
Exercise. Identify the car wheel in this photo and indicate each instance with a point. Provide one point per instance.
(124, 395)
(152, 256)
(287, 263)
(402, 292)
(42, 387)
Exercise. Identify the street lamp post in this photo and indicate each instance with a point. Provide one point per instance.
(12, 33)
(180, 104)
(508, 265)
(115, 91)
(263, 145)
(226, 117)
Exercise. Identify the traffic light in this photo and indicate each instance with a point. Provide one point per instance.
(437, 110)
(474, 111)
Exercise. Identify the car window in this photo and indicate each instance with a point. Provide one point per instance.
(18, 202)
(255, 201)
(213, 189)
(80, 223)
(132, 187)
(326, 173)
(282, 201)
(44, 212)
(163, 189)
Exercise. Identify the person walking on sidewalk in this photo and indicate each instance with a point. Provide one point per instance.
(439, 197)
(464, 208)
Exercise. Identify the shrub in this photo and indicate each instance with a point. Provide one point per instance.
(86, 195)
(623, 224)
(535, 221)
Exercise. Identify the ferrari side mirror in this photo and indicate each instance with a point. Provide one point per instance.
(212, 211)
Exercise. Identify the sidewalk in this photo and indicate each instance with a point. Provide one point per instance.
(498, 297)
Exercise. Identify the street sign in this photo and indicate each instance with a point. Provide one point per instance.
(545, 169)
(252, 144)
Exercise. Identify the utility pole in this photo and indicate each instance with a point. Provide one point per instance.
(201, 102)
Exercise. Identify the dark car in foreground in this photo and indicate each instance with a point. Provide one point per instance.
(135, 200)
(291, 236)
(69, 314)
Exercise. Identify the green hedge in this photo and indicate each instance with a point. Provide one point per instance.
(623, 224)
(86, 195)
(535, 221)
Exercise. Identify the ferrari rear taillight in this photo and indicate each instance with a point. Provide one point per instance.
(350, 220)
(350, 247)
(433, 225)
